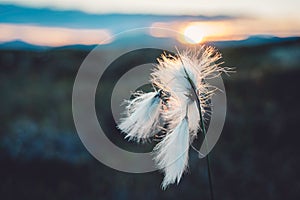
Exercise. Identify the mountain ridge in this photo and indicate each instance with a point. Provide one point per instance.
(147, 40)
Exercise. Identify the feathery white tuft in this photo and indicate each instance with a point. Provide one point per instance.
(194, 120)
(170, 72)
(171, 154)
(142, 116)
(170, 75)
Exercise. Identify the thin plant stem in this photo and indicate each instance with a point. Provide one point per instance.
(194, 90)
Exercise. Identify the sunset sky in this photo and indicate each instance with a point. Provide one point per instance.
(64, 22)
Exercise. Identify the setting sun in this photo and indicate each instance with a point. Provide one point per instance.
(193, 34)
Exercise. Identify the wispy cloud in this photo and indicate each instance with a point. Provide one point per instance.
(77, 19)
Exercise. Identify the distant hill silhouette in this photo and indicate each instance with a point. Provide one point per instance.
(19, 44)
(254, 40)
(133, 40)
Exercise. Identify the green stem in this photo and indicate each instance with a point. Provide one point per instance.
(194, 89)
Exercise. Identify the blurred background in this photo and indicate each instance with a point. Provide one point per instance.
(43, 43)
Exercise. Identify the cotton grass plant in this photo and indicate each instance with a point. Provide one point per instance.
(176, 108)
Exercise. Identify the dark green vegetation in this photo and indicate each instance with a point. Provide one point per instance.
(257, 156)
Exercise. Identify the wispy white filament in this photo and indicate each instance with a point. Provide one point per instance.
(172, 153)
(142, 116)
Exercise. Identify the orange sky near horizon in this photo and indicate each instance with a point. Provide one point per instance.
(53, 36)
(236, 29)
(248, 17)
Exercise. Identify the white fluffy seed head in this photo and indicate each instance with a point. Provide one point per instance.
(183, 77)
(200, 64)
(170, 75)
(174, 74)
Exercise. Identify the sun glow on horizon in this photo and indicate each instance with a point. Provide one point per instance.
(199, 32)
(193, 34)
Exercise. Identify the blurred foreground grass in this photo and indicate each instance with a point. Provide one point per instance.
(256, 157)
